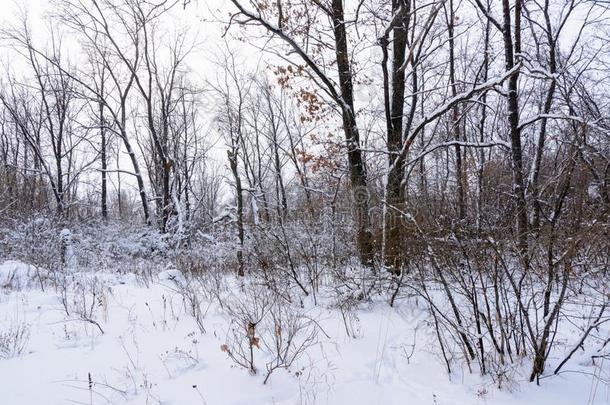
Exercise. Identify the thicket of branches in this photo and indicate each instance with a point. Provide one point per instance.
(459, 150)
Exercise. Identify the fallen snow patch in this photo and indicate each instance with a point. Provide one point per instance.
(15, 274)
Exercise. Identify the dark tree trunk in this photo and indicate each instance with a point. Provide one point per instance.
(103, 156)
(357, 169)
(393, 232)
(455, 117)
(548, 103)
(512, 50)
(240, 210)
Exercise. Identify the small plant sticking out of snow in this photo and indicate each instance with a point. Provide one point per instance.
(14, 340)
(263, 323)
(240, 345)
(289, 335)
(242, 336)
(84, 304)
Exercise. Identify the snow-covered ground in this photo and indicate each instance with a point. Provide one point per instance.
(148, 349)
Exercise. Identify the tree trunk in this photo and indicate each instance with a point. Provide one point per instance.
(455, 117)
(548, 103)
(357, 169)
(103, 156)
(510, 49)
(240, 210)
(393, 229)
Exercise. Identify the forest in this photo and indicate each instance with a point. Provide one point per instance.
(305, 202)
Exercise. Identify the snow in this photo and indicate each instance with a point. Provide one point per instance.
(15, 274)
(593, 191)
(152, 352)
(173, 275)
(206, 236)
(65, 235)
